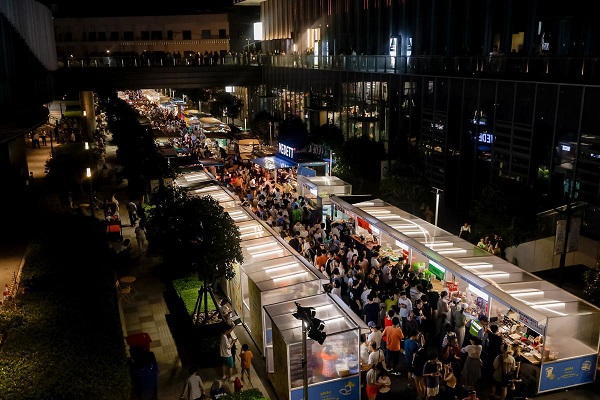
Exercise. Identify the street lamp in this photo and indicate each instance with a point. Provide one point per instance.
(88, 174)
(331, 154)
(437, 203)
(270, 133)
(313, 327)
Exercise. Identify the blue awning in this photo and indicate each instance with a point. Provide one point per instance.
(274, 162)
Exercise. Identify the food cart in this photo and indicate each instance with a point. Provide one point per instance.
(317, 189)
(557, 332)
(340, 347)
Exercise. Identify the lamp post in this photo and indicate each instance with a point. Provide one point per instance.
(88, 174)
(331, 153)
(437, 203)
(313, 328)
(270, 134)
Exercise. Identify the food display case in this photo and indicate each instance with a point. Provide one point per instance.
(333, 367)
(317, 189)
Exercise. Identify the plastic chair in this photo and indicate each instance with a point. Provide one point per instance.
(124, 292)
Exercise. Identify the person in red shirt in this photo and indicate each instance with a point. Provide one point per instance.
(392, 335)
(329, 359)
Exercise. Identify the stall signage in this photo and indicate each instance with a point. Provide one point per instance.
(530, 323)
(340, 389)
(286, 150)
(452, 287)
(154, 185)
(437, 270)
(561, 374)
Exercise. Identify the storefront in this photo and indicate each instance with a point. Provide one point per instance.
(333, 367)
(287, 157)
(557, 331)
(316, 190)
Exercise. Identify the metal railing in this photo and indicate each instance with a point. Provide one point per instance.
(571, 69)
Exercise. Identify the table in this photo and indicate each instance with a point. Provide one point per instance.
(129, 280)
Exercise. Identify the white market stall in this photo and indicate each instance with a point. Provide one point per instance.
(340, 350)
(317, 189)
(524, 306)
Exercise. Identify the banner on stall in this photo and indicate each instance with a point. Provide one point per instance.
(452, 287)
(572, 372)
(341, 389)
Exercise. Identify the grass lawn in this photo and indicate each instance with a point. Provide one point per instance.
(187, 289)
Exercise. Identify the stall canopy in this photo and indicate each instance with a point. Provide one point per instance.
(261, 249)
(327, 309)
(215, 191)
(507, 283)
(280, 272)
(274, 162)
(238, 214)
(194, 178)
(251, 230)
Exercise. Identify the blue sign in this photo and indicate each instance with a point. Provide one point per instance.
(576, 371)
(341, 389)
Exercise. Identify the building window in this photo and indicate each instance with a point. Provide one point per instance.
(222, 34)
(205, 33)
(128, 35)
(114, 36)
(156, 35)
(169, 35)
(102, 36)
(145, 35)
(187, 35)
(92, 36)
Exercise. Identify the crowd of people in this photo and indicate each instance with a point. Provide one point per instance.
(414, 329)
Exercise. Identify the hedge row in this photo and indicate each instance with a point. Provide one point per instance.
(64, 339)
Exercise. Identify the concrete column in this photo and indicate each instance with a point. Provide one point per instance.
(86, 99)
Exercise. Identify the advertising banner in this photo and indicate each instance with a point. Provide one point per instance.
(576, 371)
(341, 389)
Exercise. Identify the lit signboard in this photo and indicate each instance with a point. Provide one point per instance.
(286, 150)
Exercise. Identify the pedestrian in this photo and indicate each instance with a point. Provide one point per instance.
(140, 236)
(372, 387)
(471, 371)
(132, 209)
(246, 361)
(472, 395)
(193, 389)
(432, 371)
(31, 181)
(217, 391)
(35, 141)
(225, 351)
(384, 385)
(392, 335)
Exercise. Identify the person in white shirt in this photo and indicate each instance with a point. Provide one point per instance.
(405, 306)
(193, 389)
(375, 335)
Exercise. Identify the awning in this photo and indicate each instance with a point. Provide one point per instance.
(274, 162)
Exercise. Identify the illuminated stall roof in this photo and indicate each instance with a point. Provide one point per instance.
(252, 230)
(279, 272)
(328, 309)
(239, 214)
(516, 288)
(224, 198)
(323, 181)
(194, 178)
(262, 249)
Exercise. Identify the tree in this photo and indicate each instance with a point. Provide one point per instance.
(226, 104)
(198, 237)
(359, 161)
(592, 284)
(293, 132)
(196, 95)
(329, 136)
(260, 126)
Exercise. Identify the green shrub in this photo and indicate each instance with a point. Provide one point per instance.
(250, 394)
(64, 340)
